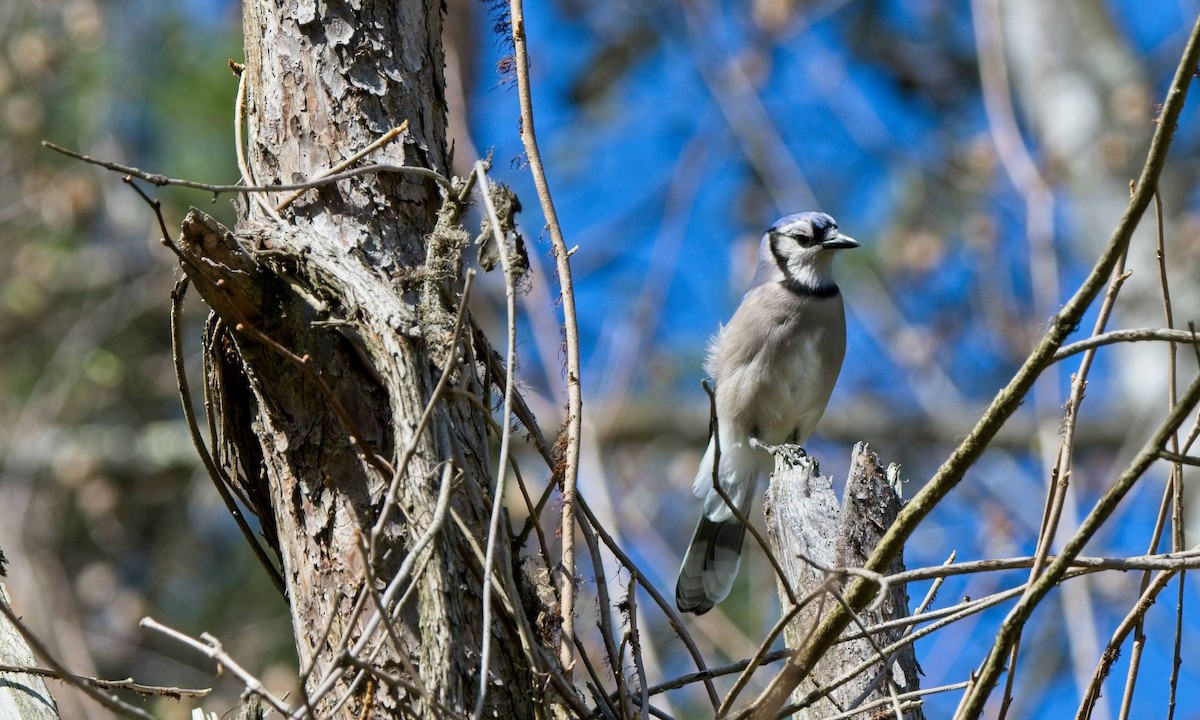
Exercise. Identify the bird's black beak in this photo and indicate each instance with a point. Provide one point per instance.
(840, 242)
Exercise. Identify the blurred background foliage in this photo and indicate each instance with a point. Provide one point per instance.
(674, 133)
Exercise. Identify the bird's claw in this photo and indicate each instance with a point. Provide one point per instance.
(794, 454)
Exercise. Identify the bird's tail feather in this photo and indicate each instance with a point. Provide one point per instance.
(743, 474)
(711, 563)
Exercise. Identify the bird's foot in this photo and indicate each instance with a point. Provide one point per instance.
(794, 454)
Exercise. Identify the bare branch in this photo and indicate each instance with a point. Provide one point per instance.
(993, 666)
(128, 685)
(510, 300)
(384, 139)
(163, 180)
(112, 702)
(1120, 336)
(562, 256)
(211, 647)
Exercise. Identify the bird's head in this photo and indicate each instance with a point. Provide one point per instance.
(798, 250)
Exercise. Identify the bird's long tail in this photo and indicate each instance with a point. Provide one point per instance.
(711, 563)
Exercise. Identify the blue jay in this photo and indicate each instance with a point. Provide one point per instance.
(774, 366)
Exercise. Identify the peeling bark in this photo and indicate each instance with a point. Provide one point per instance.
(806, 525)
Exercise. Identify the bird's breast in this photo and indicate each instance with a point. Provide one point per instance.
(775, 364)
(799, 379)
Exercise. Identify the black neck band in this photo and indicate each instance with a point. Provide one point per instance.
(805, 290)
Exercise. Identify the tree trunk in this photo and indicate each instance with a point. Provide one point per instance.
(337, 315)
(22, 695)
(812, 537)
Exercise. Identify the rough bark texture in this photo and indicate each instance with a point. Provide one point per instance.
(804, 520)
(363, 278)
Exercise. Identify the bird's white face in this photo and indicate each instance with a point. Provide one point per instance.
(804, 251)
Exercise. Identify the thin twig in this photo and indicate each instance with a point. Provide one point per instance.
(211, 647)
(1176, 476)
(239, 109)
(635, 649)
(510, 298)
(39, 650)
(384, 139)
(574, 420)
(128, 685)
(1162, 561)
(604, 608)
(1181, 459)
(162, 180)
(1120, 336)
(1168, 498)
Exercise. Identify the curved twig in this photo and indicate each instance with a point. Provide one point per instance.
(1124, 336)
(510, 298)
(574, 422)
